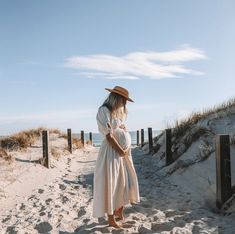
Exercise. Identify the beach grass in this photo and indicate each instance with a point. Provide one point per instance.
(24, 139)
(181, 126)
(6, 156)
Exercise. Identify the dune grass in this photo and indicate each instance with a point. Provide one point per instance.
(77, 143)
(181, 126)
(24, 139)
(6, 156)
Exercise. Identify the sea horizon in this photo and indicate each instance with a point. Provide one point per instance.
(97, 138)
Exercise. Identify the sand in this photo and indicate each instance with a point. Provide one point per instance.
(35, 199)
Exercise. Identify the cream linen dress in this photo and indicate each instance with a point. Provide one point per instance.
(115, 180)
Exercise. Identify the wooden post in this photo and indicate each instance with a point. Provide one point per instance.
(70, 145)
(90, 137)
(142, 137)
(45, 145)
(137, 137)
(169, 158)
(223, 170)
(82, 138)
(150, 136)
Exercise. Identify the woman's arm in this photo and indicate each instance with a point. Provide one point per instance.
(113, 142)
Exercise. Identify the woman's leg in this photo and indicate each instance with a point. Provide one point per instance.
(112, 221)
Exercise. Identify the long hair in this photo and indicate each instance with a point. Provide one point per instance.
(117, 105)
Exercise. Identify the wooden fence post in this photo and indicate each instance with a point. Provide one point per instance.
(223, 170)
(45, 146)
(90, 137)
(142, 137)
(69, 136)
(82, 138)
(137, 137)
(169, 158)
(150, 136)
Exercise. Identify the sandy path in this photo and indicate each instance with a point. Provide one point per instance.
(65, 204)
(61, 205)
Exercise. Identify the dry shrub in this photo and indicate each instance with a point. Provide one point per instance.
(42, 161)
(184, 125)
(55, 131)
(89, 142)
(196, 134)
(180, 127)
(20, 140)
(55, 153)
(7, 157)
(24, 139)
(77, 143)
(63, 135)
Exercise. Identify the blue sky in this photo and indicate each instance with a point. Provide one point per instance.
(56, 58)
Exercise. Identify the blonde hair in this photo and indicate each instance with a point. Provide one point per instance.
(117, 105)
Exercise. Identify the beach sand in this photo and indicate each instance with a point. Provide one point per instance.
(35, 199)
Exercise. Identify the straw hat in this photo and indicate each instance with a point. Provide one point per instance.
(121, 91)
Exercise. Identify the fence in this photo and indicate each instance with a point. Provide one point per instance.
(45, 144)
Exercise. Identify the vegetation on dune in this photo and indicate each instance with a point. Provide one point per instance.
(77, 143)
(180, 127)
(24, 139)
(6, 156)
(190, 129)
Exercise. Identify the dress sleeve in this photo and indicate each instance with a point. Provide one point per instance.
(103, 119)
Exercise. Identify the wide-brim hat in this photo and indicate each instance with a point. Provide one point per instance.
(121, 91)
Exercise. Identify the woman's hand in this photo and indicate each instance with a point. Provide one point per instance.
(123, 126)
(113, 142)
(125, 153)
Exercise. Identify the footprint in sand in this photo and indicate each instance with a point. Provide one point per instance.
(6, 219)
(31, 197)
(179, 222)
(161, 227)
(22, 207)
(143, 229)
(81, 212)
(62, 186)
(43, 208)
(170, 213)
(49, 214)
(48, 201)
(129, 224)
(43, 227)
(71, 193)
(11, 230)
(135, 218)
(40, 191)
(86, 220)
(64, 199)
(42, 213)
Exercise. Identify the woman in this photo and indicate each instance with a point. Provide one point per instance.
(115, 180)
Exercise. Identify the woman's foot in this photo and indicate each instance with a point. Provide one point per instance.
(119, 213)
(112, 222)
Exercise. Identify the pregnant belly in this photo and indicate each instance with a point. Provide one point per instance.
(123, 137)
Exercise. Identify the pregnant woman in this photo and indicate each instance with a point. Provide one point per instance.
(115, 180)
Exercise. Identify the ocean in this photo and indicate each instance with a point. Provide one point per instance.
(98, 138)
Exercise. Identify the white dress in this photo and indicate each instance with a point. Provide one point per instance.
(115, 180)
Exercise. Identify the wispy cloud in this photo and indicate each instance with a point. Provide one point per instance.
(136, 65)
